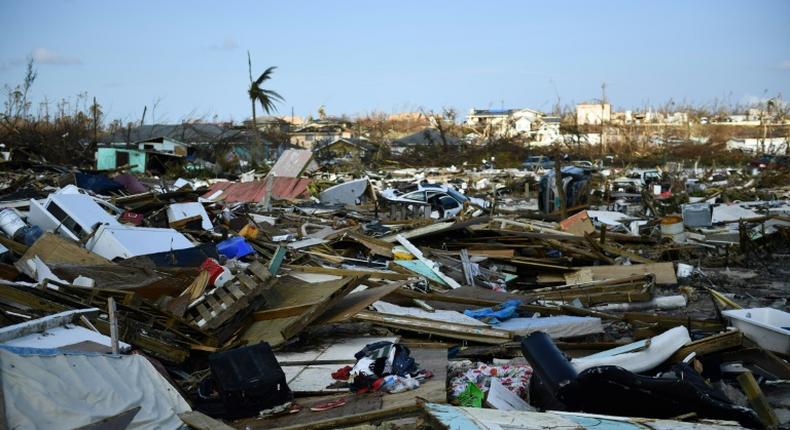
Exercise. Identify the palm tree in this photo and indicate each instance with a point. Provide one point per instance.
(265, 97)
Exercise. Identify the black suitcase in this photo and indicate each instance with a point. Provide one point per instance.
(249, 380)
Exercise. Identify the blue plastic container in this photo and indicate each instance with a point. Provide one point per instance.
(235, 247)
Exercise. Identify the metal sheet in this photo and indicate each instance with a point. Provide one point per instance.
(255, 191)
(292, 163)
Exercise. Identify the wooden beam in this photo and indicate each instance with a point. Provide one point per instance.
(717, 342)
(481, 334)
(349, 272)
(288, 311)
(757, 400)
(666, 321)
(200, 421)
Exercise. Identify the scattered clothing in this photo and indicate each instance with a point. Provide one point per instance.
(382, 366)
(329, 405)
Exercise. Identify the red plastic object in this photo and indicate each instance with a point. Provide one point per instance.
(213, 268)
(131, 218)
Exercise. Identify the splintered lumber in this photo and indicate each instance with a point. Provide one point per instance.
(287, 311)
(521, 261)
(506, 253)
(315, 311)
(419, 231)
(354, 303)
(439, 328)
(567, 248)
(376, 274)
(634, 257)
(717, 342)
(311, 299)
(630, 289)
(667, 322)
(533, 226)
(376, 246)
(134, 332)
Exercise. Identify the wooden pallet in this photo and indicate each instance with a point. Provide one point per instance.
(223, 303)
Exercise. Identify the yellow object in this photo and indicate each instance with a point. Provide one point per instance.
(400, 253)
(249, 231)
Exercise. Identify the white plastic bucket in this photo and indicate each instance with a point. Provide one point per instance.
(671, 225)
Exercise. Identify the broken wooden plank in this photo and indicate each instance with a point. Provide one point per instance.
(451, 330)
(276, 313)
(664, 271)
(375, 274)
(316, 310)
(757, 400)
(717, 342)
(200, 421)
(354, 303)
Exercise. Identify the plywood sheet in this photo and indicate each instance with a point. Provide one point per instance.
(355, 302)
(290, 292)
(664, 271)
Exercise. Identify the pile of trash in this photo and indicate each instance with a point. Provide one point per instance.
(303, 299)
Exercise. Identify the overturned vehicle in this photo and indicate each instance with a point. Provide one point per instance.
(426, 200)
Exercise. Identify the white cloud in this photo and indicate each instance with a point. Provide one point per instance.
(45, 56)
(227, 45)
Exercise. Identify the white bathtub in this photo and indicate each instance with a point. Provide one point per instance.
(767, 327)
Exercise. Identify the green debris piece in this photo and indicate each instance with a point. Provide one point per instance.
(472, 396)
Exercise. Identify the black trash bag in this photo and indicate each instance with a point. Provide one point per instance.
(613, 390)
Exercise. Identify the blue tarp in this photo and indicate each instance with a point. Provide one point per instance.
(496, 314)
(96, 183)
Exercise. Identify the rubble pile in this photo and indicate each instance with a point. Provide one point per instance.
(444, 298)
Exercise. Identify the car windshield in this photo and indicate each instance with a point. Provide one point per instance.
(456, 195)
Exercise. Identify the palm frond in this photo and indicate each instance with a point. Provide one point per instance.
(274, 95)
(266, 75)
(249, 64)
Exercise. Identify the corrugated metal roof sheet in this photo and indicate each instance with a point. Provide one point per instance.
(255, 191)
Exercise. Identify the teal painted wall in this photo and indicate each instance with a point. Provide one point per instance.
(105, 159)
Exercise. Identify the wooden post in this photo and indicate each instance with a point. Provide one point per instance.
(267, 200)
(758, 400)
(113, 325)
(603, 233)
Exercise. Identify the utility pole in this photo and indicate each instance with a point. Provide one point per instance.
(95, 122)
(142, 120)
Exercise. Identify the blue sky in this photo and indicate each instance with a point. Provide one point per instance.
(356, 57)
